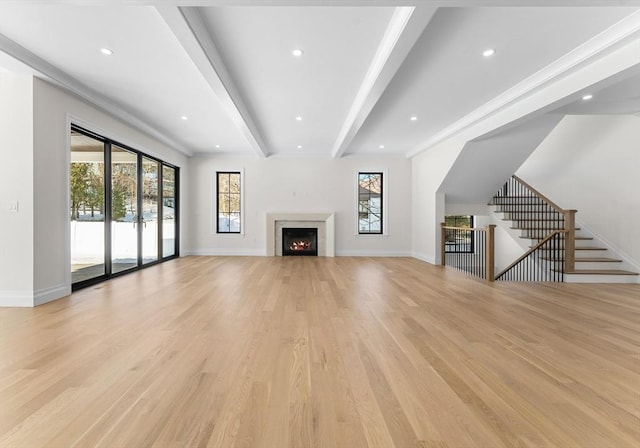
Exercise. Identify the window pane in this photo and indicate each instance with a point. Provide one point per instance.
(150, 183)
(124, 209)
(370, 202)
(223, 182)
(228, 205)
(458, 240)
(234, 183)
(168, 211)
(87, 207)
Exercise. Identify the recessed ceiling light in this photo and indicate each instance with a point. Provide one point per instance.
(488, 52)
(217, 146)
(587, 97)
(297, 52)
(106, 51)
(381, 146)
(299, 146)
(414, 118)
(298, 118)
(184, 117)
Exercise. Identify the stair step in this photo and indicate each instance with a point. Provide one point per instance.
(531, 219)
(601, 272)
(581, 238)
(587, 260)
(538, 228)
(577, 248)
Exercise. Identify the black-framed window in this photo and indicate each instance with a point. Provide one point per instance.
(370, 202)
(459, 240)
(228, 202)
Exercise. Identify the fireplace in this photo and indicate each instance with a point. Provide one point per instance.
(300, 241)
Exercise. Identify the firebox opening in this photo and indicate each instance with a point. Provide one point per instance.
(300, 241)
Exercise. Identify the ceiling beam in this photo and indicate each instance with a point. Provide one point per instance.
(64, 80)
(192, 33)
(384, 3)
(404, 29)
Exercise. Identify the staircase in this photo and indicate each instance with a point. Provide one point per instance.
(575, 254)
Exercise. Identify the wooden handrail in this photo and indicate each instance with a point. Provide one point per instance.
(543, 197)
(463, 228)
(530, 251)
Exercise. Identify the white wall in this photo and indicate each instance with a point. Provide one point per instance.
(16, 187)
(592, 164)
(300, 185)
(52, 109)
(428, 207)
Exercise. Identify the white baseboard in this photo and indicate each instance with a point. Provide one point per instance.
(29, 299)
(23, 299)
(426, 258)
(50, 294)
(368, 253)
(227, 252)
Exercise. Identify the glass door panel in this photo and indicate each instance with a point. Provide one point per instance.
(87, 208)
(124, 209)
(150, 190)
(168, 211)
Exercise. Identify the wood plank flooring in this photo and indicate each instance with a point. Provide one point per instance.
(322, 352)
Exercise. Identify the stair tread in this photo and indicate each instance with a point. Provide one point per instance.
(581, 238)
(531, 219)
(588, 260)
(601, 272)
(538, 228)
(577, 248)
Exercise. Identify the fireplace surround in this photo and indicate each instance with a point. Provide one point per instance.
(324, 222)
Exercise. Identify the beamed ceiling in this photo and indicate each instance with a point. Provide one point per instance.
(366, 67)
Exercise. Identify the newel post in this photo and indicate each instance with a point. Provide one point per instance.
(490, 253)
(443, 237)
(570, 240)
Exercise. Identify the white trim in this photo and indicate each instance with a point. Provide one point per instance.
(50, 294)
(226, 253)
(214, 201)
(22, 299)
(385, 203)
(372, 253)
(67, 233)
(426, 258)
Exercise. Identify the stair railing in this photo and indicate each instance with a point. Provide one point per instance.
(469, 249)
(544, 262)
(523, 204)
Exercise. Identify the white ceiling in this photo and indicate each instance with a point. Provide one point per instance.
(367, 65)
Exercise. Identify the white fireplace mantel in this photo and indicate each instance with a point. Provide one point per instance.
(325, 220)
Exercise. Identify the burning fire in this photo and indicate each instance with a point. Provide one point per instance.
(300, 245)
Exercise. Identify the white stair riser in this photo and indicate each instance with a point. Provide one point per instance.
(586, 278)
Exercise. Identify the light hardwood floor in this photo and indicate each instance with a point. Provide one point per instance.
(325, 352)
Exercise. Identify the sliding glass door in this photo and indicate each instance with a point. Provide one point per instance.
(135, 193)
(87, 214)
(168, 211)
(149, 210)
(124, 209)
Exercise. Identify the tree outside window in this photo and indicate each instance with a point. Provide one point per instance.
(228, 202)
(370, 203)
